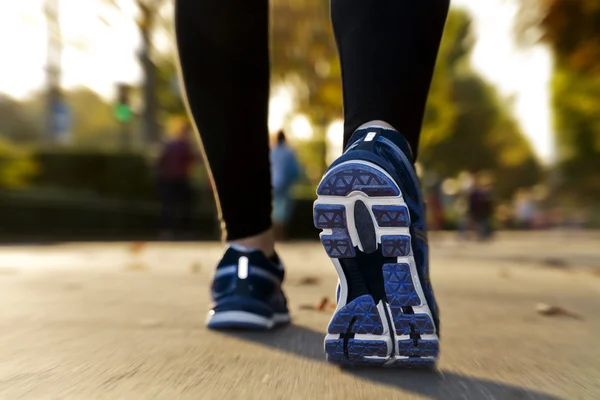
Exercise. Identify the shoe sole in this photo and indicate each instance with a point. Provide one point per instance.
(360, 208)
(243, 320)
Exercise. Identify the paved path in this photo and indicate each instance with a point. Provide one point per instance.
(100, 322)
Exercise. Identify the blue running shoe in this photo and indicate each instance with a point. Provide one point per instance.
(246, 291)
(372, 215)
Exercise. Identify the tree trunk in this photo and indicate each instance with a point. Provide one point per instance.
(149, 125)
(53, 67)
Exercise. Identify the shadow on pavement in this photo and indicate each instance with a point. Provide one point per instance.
(437, 385)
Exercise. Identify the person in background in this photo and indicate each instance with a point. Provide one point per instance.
(435, 206)
(285, 172)
(462, 203)
(524, 209)
(481, 206)
(175, 163)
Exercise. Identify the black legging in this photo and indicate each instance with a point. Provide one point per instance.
(387, 51)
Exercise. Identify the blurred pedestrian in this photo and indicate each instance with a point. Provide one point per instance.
(524, 209)
(481, 206)
(435, 207)
(285, 172)
(466, 183)
(175, 163)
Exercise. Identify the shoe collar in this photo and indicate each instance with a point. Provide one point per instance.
(371, 134)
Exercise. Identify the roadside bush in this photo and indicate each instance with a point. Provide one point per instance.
(17, 167)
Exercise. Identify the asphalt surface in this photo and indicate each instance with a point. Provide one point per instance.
(122, 321)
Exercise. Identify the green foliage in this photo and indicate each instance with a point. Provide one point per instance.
(105, 174)
(149, 21)
(17, 167)
(440, 114)
(302, 46)
(572, 30)
(94, 123)
(45, 214)
(16, 123)
(311, 155)
(576, 99)
(167, 89)
(467, 125)
(119, 175)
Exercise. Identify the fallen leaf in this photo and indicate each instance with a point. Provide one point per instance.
(137, 247)
(309, 281)
(322, 306)
(553, 262)
(552, 311)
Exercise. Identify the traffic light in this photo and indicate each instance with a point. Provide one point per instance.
(122, 111)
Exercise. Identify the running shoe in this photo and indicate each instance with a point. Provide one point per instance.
(246, 291)
(372, 216)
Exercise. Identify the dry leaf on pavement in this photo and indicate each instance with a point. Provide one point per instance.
(309, 281)
(137, 247)
(551, 311)
(322, 306)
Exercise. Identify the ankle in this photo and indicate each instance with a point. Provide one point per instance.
(376, 123)
(264, 242)
(405, 145)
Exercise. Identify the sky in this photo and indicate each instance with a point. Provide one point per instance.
(98, 56)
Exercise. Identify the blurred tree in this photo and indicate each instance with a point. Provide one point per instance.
(16, 124)
(93, 122)
(303, 53)
(440, 114)
(572, 31)
(150, 17)
(467, 125)
(304, 58)
(168, 92)
(17, 167)
(53, 67)
(576, 101)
